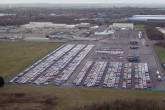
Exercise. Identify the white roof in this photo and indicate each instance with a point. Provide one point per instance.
(122, 24)
(147, 17)
(46, 24)
(105, 32)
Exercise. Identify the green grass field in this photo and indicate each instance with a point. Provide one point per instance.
(16, 56)
(161, 53)
(140, 27)
(69, 98)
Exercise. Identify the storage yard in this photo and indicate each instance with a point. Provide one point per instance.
(82, 57)
(124, 62)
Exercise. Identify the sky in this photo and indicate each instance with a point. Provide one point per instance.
(82, 1)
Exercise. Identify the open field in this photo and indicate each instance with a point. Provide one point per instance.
(16, 56)
(138, 104)
(68, 98)
(23, 101)
(161, 53)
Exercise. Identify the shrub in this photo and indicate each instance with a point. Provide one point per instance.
(2, 82)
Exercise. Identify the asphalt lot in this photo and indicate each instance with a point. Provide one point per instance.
(100, 63)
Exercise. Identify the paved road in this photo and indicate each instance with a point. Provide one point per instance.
(158, 84)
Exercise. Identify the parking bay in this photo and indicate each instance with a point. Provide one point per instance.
(101, 63)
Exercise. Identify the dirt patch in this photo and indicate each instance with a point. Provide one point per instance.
(127, 105)
(153, 33)
(161, 44)
(22, 101)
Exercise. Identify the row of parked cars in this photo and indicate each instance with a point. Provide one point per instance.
(82, 73)
(57, 65)
(134, 45)
(112, 52)
(113, 74)
(66, 73)
(127, 76)
(134, 59)
(139, 78)
(95, 75)
(37, 68)
(55, 68)
(142, 76)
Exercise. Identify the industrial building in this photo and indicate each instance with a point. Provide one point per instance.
(83, 25)
(147, 18)
(122, 26)
(104, 33)
(33, 25)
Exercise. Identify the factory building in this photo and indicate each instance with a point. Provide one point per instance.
(128, 26)
(104, 33)
(83, 25)
(147, 18)
(34, 25)
(44, 27)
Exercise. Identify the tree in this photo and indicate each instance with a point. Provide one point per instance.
(2, 82)
(153, 33)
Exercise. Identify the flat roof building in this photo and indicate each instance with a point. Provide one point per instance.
(104, 33)
(83, 25)
(123, 26)
(147, 18)
(46, 25)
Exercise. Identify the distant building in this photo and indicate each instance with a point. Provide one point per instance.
(45, 27)
(83, 25)
(122, 26)
(147, 18)
(104, 33)
(34, 25)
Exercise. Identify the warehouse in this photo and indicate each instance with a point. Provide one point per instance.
(147, 18)
(104, 33)
(83, 25)
(34, 25)
(123, 26)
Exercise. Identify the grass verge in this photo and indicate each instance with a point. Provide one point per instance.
(161, 53)
(16, 56)
(140, 27)
(69, 98)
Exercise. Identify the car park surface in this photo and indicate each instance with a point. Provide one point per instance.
(108, 62)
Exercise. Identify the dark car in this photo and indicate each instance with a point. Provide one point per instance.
(133, 59)
(134, 47)
(133, 42)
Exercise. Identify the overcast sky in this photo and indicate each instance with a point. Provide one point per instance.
(82, 1)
